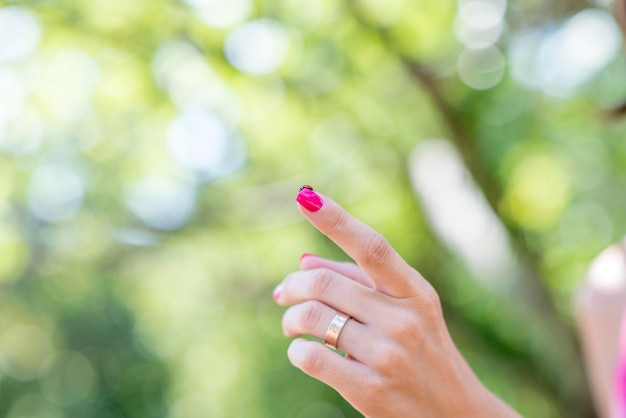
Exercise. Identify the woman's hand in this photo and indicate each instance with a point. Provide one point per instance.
(400, 359)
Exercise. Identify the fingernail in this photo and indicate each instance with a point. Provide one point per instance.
(310, 200)
(277, 292)
(305, 255)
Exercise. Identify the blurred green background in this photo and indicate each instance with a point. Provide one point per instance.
(151, 151)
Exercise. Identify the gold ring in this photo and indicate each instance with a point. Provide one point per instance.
(334, 329)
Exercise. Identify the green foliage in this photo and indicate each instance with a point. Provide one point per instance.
(150, 153)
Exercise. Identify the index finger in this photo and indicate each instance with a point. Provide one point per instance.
(370, 250)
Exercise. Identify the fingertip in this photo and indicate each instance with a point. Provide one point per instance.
(277, 293)
(315, 360)
(309, 200)
(306, 259)
(305, 255)
(304, 354)
(295, 352)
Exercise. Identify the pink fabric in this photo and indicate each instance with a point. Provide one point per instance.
(619, 395)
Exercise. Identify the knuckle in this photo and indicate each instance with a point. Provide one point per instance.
(289, 323)
(312, 362)
(431, 302)
(376, 249)
(339, 221)
(310, 315)
(386, 359)
(374, 386)
(406, 327)
(323, 282)
(289, 279)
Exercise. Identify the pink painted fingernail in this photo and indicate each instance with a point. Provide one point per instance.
(277, 292)
(310, 200)
(305, 255)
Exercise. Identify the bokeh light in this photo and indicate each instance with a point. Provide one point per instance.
(539, 192)
(201, 142)
(481, 69)
(13, 94)
(221, 13)
(23, 135)
(69, 380)
(20, 33)
(25, 351)
(161, 202)
(304, 14)
(67, 84)
(560, 61)
(191, 83)
(55, 191)
(480, 23)
(258, 47)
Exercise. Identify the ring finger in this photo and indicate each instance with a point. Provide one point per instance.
(313, 318)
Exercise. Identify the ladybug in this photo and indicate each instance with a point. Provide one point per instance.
(306, 186)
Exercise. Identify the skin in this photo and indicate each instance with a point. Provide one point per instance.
(620, 13)
(599, 311)
(401, 360)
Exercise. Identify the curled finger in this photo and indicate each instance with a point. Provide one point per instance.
(314, 318)
(345, 268)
